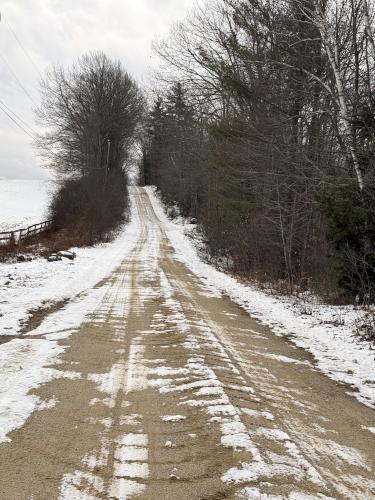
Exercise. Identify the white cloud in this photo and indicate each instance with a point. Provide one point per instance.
(59, 31)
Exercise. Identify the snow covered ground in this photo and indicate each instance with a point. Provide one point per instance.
(23, 202)
(24, 361)
(336, 349)
(29, 285)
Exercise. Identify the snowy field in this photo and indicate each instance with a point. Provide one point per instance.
(23, 202)
(336, 349)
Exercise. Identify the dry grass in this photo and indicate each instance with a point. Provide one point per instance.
(365, 326)
(42, 245)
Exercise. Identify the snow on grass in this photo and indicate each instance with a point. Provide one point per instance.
(337, 351)
(23, 202)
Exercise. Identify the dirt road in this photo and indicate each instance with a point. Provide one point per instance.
(179, 394)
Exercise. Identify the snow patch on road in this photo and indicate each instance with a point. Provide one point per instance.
(71, 483)
(23, 368)
(173, 418)
(285, 359)
(370, 429)
(137, 369)
(124, 488)
(255, 494)
(234, 434)
(349, 455)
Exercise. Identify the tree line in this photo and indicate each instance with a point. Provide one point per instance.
(262, 128)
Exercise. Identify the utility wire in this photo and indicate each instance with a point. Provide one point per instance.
(18, 124)
(2, 103)
(17, 79)
(21, 45)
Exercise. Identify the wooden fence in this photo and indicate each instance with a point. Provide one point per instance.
(17, 236)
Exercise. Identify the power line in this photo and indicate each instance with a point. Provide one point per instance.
(33, 135)
(21, 45)
(14, 121)
(18, 118)
(17, 79)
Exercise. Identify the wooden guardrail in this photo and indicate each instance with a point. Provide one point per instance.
(18, 235)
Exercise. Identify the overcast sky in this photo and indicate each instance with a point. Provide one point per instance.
(59, 31)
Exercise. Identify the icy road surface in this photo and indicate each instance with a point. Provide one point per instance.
(167, 390)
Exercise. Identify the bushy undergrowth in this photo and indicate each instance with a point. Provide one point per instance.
(351, 232)
(365, 326)
(90, 208)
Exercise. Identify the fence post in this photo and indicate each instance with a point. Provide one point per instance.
(12, 239)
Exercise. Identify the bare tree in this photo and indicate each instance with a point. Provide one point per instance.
(90, 113)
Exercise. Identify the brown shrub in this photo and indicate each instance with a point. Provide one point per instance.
(89, 209)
